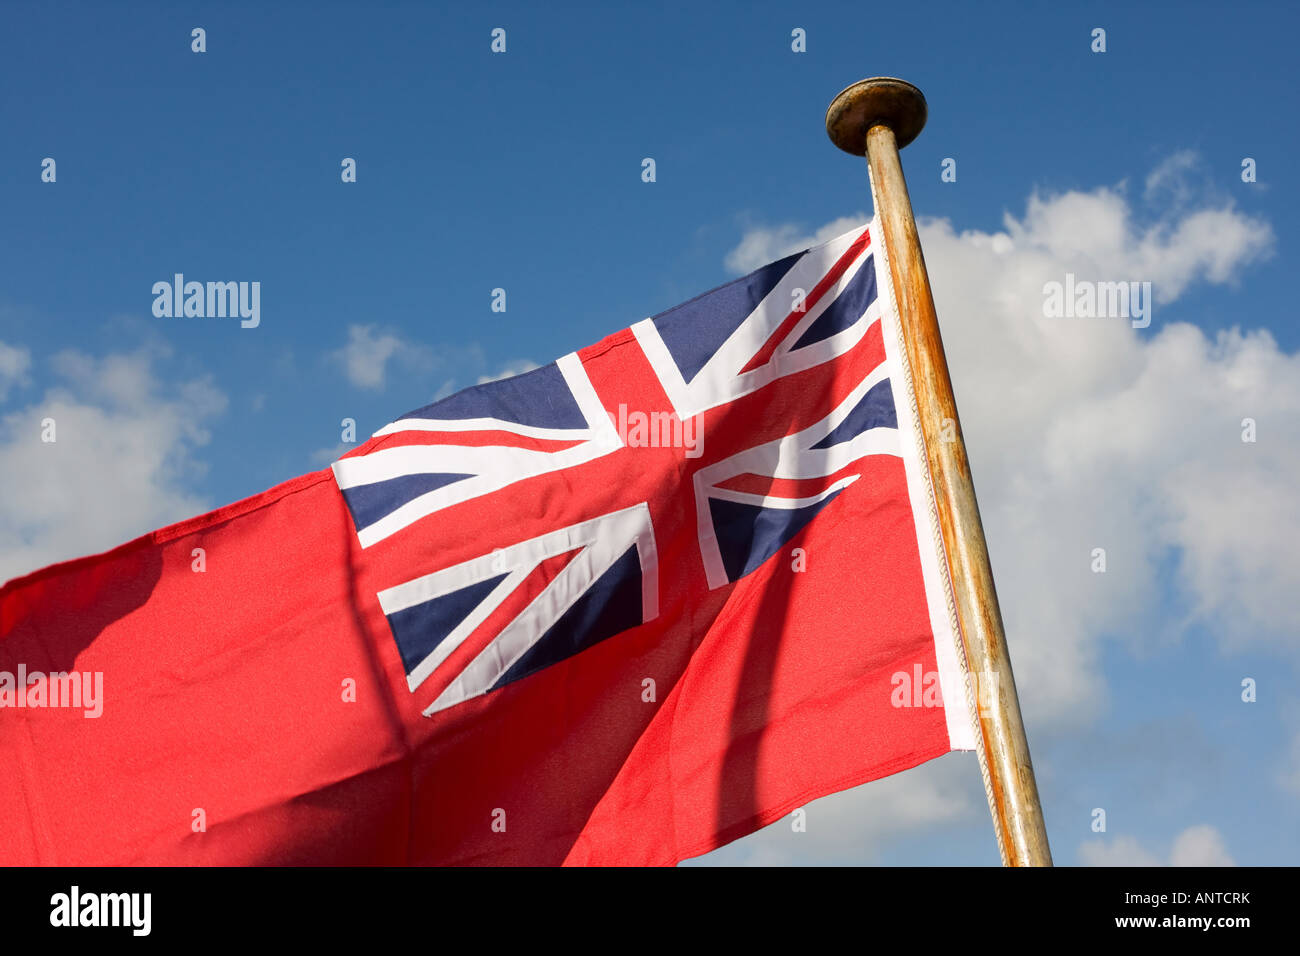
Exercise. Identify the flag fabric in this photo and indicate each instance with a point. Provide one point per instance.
(620, 609)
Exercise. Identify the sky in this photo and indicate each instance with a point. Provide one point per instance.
(522, 170)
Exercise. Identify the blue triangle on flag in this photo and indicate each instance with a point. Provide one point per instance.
(610, 606)
(540, 398)
(847, 308)
(874, 410)
(422, 627)
(750, 534)
(369, 503)
(694, 331)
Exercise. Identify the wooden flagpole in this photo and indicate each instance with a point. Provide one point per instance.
(876, 118)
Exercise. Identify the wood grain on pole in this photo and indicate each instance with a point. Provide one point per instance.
(862, 120)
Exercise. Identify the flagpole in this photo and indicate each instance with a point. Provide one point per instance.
(877, 117)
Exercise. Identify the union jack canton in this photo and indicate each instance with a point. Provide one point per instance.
(569, 530)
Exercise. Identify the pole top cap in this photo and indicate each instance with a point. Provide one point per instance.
(878, 101)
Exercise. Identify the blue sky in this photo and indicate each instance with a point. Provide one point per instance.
(522, 171)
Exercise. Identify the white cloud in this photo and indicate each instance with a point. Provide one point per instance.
(1169, 180)
(1200, 845)
(1095, 236)
(1086, 433)
(760, 246)
(513, 367)
(327, 456)
(1116, 851)
(121, 465)
(14, 364)
(368, 351)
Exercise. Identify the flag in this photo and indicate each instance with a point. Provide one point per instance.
(619, 609)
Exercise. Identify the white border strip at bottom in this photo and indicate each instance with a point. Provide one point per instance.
(938, 589)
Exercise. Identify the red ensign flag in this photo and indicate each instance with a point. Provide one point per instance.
(622, 608)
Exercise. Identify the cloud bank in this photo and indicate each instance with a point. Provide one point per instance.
(121, 463)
